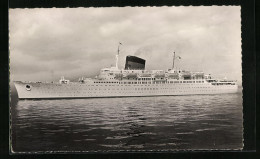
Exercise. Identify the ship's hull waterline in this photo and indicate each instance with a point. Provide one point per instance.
(31, 90)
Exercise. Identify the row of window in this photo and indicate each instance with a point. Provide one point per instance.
(159, 82)
(93, 92)
(139, 89)
(186, 82)
(223, 83)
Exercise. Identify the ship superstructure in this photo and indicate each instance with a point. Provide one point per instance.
(133, 80)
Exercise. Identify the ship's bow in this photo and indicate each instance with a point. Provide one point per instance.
(23, 89)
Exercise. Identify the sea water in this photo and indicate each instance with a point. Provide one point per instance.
(163, 123)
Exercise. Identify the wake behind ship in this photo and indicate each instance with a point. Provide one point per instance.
(133, 80)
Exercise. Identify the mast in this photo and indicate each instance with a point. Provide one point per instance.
(173, 60)
(118, 50)
(178, 57)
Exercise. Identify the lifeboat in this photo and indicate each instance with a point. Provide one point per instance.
(145, 75)
(199, 75)
(186, 75)
(118, 76)
(131, 75)
(159, 75)
(173, 75)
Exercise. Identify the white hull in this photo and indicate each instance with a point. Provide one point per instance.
(77, 90)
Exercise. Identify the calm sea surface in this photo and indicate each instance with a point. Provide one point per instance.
(134, 123)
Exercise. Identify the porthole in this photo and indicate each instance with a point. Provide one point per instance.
(28, 87)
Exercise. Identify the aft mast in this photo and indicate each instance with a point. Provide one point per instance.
(174, 57)
(173, 60)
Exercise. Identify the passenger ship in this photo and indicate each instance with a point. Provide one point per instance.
(133, 80)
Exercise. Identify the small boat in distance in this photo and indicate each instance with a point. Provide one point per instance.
(133, 80)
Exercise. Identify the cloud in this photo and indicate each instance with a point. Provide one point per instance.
(80, 41)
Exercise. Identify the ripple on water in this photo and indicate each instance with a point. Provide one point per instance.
(143, 123)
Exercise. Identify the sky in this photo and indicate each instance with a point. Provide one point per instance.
(46, 44)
